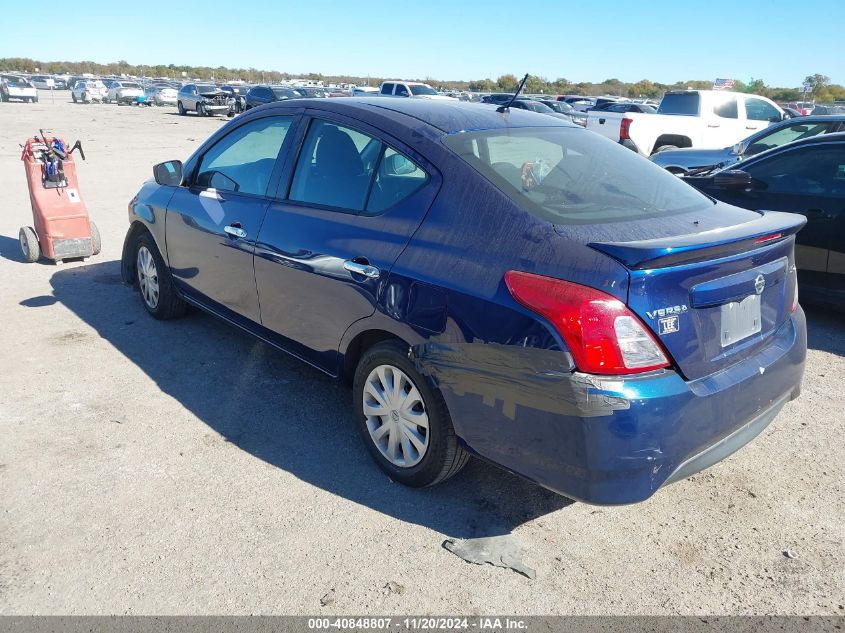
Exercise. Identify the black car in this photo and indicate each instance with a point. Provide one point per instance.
(238, 94)
(259, 95)
(626, 106)
(806, 177)
(499, 98)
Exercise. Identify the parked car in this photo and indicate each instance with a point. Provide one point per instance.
(802, 107)
(582, 104)
(622, 333)
(561, 107)
(807, 178)
(828, 109)
(312, 92)
(17, 87)
(540, 108)
(122, 92)
(259, 95)
(499, 98)
(410, 89)
(204, 99)
(625, 106)
(364, 91)
(708, 119)
(237, 93)
(89, 91)
(161, 95)
(43, 82)
(603, 102)
(682, 161)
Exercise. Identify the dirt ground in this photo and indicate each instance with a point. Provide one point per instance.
(184, 467)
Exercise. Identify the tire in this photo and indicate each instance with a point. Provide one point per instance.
(96, 242)
(200, 109)
(165, 304)
(442, 456)
(73, 96)
(181, 108)
(30, 248)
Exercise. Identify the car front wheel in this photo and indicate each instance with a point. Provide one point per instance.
(403, 419)
(181, 108)
(154, 281)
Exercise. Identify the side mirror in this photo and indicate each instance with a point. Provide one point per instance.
(169, 173)
(398, 165)
(733, 180)
(738, 149)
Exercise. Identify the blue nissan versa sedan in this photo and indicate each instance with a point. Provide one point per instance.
(501, 284)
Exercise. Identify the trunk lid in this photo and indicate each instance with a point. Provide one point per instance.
(714, 297)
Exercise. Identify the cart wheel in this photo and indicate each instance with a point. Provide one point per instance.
(96, 243)
(29, 244)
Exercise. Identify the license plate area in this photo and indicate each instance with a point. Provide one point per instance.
(740, 319)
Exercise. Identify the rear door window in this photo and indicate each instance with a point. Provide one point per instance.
(387, 89)
(397, 178)
(333, 169)
(727, 108)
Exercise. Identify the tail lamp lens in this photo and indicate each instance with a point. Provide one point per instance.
(625, 129)
(602, 334)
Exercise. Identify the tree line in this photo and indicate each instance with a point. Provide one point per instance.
(822, 90)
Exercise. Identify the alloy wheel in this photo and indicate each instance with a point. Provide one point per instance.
(396, 416)
(147, 277)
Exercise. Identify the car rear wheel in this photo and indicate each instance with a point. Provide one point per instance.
(154, 281)
(30, 248)
(181, 108)
(73, 96)
(403, 419)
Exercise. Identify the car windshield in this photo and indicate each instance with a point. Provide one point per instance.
(422, 89)
(570, 176)
(130, 84)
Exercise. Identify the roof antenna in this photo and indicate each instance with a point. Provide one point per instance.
(506, 107)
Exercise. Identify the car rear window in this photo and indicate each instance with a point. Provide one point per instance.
(572, 176)
(684, 103)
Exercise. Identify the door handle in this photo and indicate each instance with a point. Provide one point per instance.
(601, 121)
(750, 127)
(235, 230)
(370, 272)
(713, 125)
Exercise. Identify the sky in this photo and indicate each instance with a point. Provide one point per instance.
(589, 40)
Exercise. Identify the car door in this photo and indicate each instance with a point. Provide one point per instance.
(810, 180)
(330, 239)
(724, 126)
(213, 221)
(759, 114)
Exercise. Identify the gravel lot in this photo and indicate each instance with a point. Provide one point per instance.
(184, 467)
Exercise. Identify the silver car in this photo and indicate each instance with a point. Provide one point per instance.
(161, 95)
(691, 159)
(204, 99)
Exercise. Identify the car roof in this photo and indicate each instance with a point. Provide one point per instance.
(448, 117)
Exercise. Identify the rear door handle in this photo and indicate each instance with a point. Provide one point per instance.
(234, 229)
(601, 121)
(713, 125)
(370, 272)
(750, 127)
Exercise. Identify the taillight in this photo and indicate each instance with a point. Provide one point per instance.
(624, 129)
(602, 334)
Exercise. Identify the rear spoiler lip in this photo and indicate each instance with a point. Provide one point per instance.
(695, 247)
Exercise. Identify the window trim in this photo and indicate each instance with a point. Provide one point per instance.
(191, 184)
(309, 117)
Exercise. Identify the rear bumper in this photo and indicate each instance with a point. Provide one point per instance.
(611, 440)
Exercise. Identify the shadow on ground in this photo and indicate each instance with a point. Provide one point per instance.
(825, 329)
(284, 412)
(10, 248)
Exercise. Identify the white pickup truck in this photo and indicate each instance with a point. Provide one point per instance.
(707, 119)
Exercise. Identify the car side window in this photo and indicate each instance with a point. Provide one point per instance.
(759, 110)
(727, 109)
(402, 90)
(787, 134)
(387, 89)
(812, 171)
(331, 170)
(396, 179)
(243, 160)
